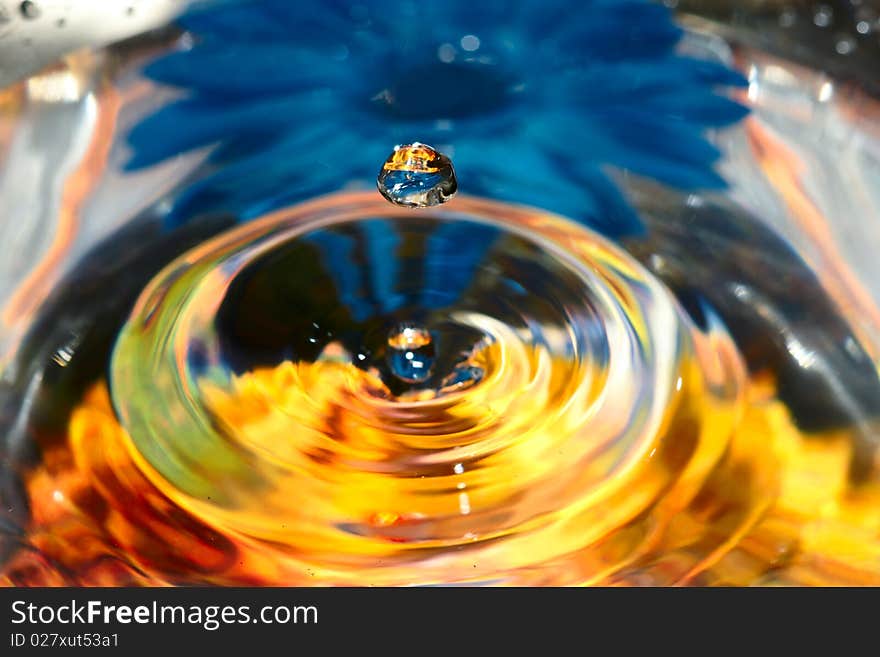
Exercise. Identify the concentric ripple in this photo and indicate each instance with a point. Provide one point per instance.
(568, 396)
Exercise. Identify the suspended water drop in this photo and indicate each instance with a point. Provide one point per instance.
(410, 353)
(415, 175)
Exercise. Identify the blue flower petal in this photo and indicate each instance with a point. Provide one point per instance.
(554, 93)
(338, 251)
(698, 108)
(453, 253)
(380, 240)
(533, 178)
(196, 122)
(289, 171)
(225, 71)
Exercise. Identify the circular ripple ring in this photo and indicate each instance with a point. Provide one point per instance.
(570, 396)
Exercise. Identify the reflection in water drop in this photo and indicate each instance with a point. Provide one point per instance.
(588, 446)
(523, 445)
(579, 425)
(461, 378)
(410, 353)
(415, 175)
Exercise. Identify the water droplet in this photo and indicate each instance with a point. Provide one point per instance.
(787, 17)
(470, 43)
(417, 176)
(29, 9)
(823, 16)
(446, 53)
(410, 353)
(845, 46)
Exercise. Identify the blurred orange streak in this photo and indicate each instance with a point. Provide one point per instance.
(77, 187)
(10, 106)
(784, 170)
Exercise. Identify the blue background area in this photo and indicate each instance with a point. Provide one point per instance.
(302, 98)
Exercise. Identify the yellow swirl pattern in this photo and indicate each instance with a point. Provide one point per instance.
(640, 454)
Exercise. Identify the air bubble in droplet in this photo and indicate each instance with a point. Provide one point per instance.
(410, 353)
(446, 53)
(787, 17)
(823, 15)
(845, 46)
(417, 176)
(470, 42)
(29, 9)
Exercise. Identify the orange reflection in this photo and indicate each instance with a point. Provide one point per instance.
(779, 508)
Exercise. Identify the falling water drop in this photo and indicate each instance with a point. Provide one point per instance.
(417, 176)
(410, 353)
